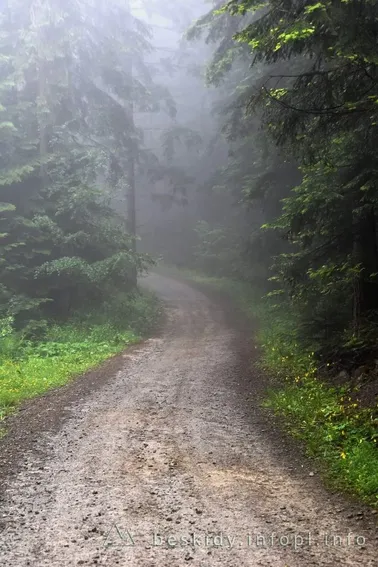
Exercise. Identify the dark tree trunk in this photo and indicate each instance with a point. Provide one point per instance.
(366, 254)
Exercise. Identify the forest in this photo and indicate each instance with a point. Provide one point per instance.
(234, 143)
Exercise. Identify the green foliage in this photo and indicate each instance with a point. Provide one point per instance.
(65, 125)
(45, 355)
(139, 310)
(337, 429)
(52, 364)
(68, 145)
(312, 91)
(214, 250)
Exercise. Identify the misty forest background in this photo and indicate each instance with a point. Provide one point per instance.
(237, 140)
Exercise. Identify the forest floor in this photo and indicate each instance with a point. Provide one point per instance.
(163, 456)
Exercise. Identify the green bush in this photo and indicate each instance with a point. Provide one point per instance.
(139, 310)
(30, 365)
(336, 430)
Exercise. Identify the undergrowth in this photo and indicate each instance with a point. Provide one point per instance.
(337, 431)
(31, 366)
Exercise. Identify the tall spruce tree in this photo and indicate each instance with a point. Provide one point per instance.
(66, 91)
(313, 89)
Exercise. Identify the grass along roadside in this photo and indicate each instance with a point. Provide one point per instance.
(337, 429)
(29, 368)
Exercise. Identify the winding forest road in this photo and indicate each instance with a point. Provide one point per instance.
(145, 461)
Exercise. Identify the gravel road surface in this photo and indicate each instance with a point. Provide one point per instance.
(162, 458)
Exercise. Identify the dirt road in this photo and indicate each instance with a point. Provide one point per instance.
(163, 459)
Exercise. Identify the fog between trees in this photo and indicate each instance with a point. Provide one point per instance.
(237, 139)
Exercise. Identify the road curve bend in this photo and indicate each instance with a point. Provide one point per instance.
(171, 463)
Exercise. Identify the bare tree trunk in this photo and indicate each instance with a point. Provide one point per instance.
(39, 16)
(131, 192)
(131, 195)
(42, 124)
